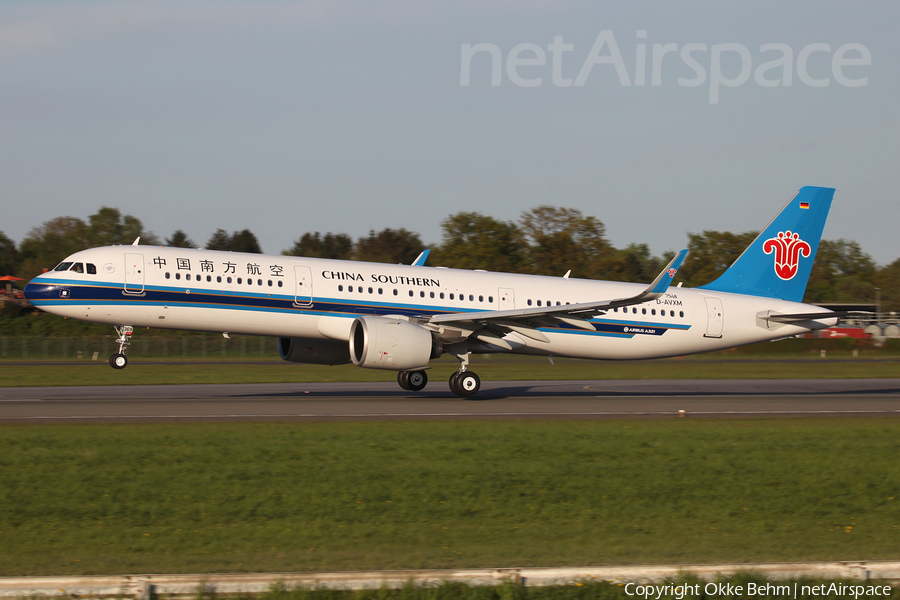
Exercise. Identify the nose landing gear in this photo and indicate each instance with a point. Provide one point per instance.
(118, 360)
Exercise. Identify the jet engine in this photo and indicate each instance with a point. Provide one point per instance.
(391, 344)
(313, 352)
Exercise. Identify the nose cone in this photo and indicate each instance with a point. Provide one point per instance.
(38, 292)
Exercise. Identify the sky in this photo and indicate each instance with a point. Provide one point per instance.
(346, 116)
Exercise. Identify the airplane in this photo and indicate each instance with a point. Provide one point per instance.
(400, 317)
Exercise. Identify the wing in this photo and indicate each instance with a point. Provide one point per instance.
(490, 326)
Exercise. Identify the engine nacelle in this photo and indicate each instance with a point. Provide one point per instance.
(391, 344)
(313, 351)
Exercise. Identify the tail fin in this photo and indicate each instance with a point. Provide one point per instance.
(778, 262)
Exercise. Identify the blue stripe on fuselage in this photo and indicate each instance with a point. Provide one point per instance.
(47, 293)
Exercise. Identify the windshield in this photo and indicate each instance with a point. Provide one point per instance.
(63, 266)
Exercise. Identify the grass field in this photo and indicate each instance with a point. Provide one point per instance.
(333, 496)
(490, 368)
(739, 587)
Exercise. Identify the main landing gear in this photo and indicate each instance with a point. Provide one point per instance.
(118, 360)
(464, 383)
(413, 381)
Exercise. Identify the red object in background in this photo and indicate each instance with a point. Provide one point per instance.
(843, 332)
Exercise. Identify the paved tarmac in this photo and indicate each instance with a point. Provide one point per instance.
(496, 400)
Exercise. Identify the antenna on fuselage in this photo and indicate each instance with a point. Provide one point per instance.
(136, 241)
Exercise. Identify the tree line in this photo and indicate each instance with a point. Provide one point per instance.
(546, 240)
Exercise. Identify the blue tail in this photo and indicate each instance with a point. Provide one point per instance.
(778, 262)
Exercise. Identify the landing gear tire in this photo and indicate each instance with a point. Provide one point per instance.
(118, 361)
(403, 379)
(468, 384)
(417, 380)
(453, 384)
(465, 384)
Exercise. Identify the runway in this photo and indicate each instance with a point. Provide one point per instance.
(496, 400)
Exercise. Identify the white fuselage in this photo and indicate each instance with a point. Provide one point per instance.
(286, 296)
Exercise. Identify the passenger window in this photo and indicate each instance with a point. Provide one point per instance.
(91, 269)
(371, 290)
(451, 295)
(681, 313)
(395, 291)
(64, 266)
(410, 293)
(177, 275)
(259, 282)
(359, 289)
(539, 302)
(643, 311)
(168, 275)
(280, 284)
(491, 299)
(228, 280)
(431, 294)
(187, 276)
(529, 302)
(218, 279)
(208, 278)
(340, 288)
(77, 268)
(380, 291)
(471, 298)
(442, 295)
(422, 294)
(239, 280)
(270, 283)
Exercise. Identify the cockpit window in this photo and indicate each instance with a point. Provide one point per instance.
(78, 268)
(63, 266)
(91, 269)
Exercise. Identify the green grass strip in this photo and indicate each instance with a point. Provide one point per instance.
(490, 368)
(95, 499)
(744, 586)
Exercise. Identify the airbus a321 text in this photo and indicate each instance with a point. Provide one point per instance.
(400, 317)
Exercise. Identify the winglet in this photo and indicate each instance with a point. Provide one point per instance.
(664, 279)
(420, 260)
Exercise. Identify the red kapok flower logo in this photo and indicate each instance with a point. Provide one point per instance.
(787, 247)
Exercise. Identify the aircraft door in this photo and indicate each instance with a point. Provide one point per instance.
(303, 286)
(134, 273)
(507, 298)
(715, 317)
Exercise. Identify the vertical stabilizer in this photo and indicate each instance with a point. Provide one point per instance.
(778, 262)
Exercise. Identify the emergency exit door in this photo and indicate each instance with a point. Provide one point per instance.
(715, 317)
(134, 273)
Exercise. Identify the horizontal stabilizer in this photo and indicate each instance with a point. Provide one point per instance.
(794, 318)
